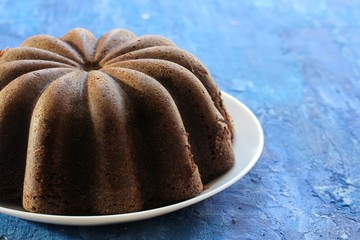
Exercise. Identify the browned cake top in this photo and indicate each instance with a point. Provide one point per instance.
(80, 49)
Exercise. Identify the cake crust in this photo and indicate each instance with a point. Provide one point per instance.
(111, 125)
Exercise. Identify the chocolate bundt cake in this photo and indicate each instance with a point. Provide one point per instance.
(111, 125)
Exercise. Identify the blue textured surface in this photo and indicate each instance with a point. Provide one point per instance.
(296, 64)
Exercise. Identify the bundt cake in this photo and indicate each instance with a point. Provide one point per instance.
(111, 125)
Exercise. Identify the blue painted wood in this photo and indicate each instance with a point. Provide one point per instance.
(294, 63)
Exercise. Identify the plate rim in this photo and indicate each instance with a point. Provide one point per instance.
(146, 214)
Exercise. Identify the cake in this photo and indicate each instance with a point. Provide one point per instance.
(106, 126)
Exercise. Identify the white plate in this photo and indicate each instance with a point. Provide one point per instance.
(248, 144)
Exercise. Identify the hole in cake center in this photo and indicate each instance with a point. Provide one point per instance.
(91, 66)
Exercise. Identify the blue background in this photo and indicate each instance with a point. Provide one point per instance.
(294, 63)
